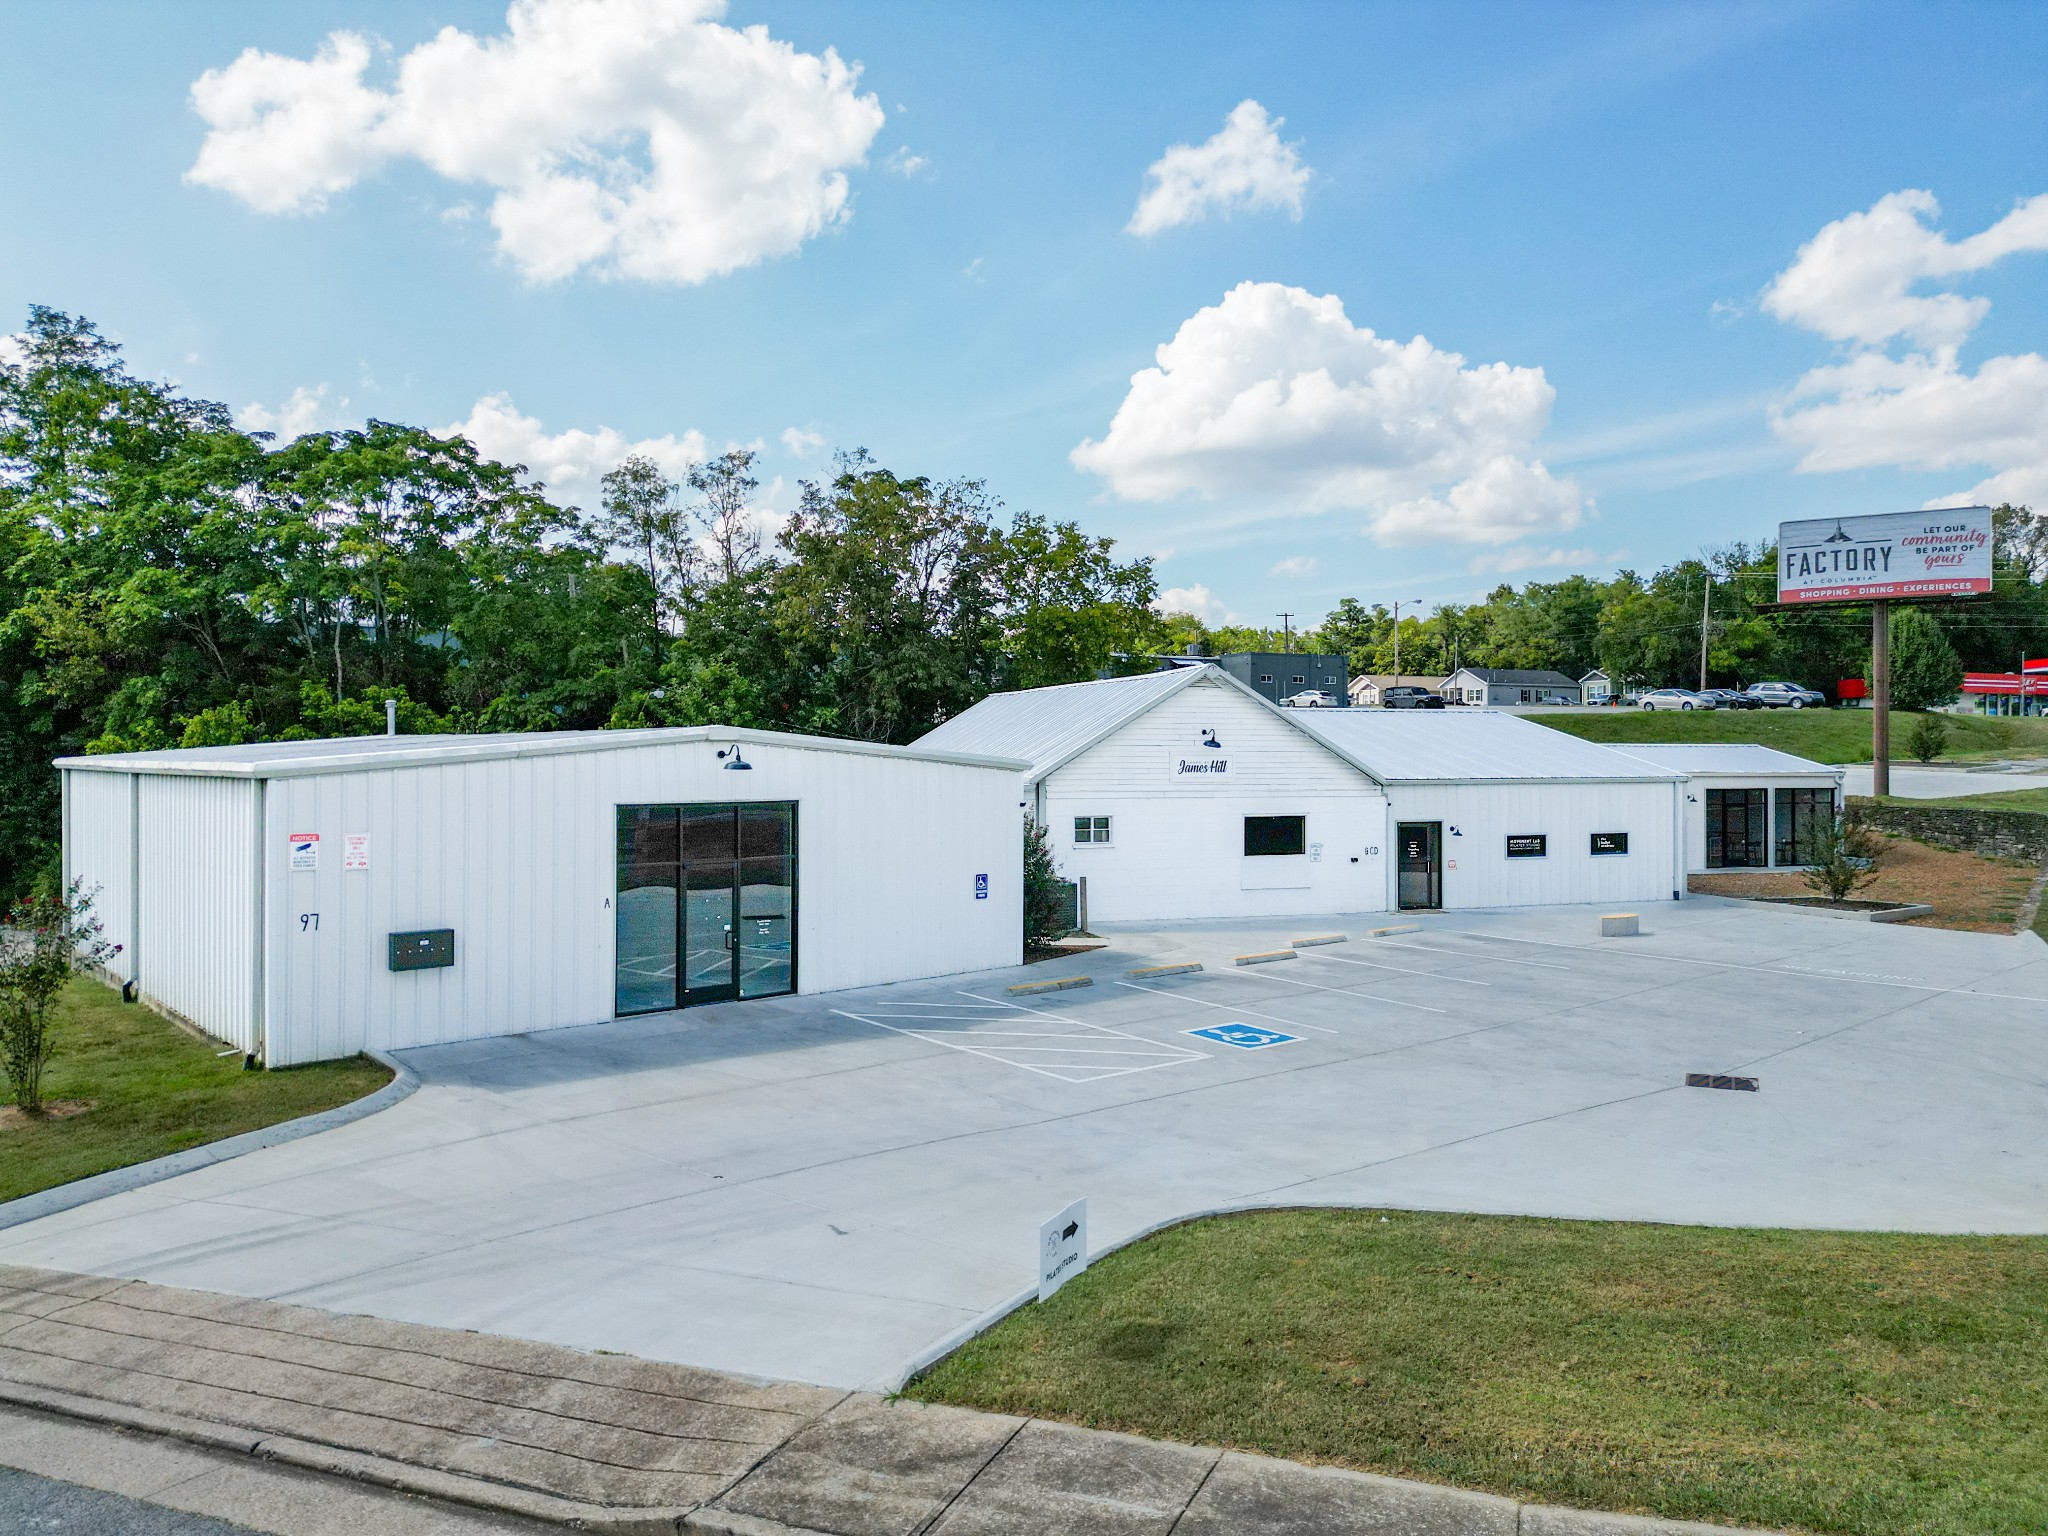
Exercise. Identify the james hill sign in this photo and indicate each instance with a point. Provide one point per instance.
(1944, 553)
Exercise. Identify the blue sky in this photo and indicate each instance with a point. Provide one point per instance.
(727, 238)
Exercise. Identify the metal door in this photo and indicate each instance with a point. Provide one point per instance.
(1419, 880)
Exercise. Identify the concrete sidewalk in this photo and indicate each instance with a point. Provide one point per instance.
(610, 1443)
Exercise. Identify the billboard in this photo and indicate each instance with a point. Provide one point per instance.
(1943, 553)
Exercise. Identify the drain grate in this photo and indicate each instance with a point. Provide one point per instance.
(1720, 1080)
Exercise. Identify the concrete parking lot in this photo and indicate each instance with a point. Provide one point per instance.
(826, 1188)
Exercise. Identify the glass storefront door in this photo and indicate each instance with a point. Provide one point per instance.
(706, 904)
(1419, 876)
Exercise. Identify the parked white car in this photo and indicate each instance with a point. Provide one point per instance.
(1673, 698)
(1785, 696)
(1309, 698)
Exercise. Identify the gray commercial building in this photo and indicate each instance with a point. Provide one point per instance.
(1278, 675)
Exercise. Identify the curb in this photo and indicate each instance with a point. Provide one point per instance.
(332, 1461)
(1056, 984)
(116, 1181)
(1265, 958)
(1381, 933)
(1166, 970)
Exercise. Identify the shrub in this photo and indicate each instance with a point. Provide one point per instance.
(1047, 913)
(1929, 737)
(1842, 857)
(47, 939)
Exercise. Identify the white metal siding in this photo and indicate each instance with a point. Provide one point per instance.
(198, 902)
(518, 857)
(1478, 872)
(97, 855)
(1178, 845)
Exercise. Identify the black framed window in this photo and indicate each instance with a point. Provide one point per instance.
(1797, 813)
(1735, 828)
(1274, 836)
(1091, 829)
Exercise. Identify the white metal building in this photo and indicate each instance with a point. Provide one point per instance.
(1746, 807)
(1487, 809)
(307, 900)
(1183, 795)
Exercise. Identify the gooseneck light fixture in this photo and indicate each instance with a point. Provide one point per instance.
(730, 756)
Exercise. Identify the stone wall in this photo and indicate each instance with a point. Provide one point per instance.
(2000, 834)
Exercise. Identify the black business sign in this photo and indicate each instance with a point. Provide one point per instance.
(1533, 845)
(1610, 842)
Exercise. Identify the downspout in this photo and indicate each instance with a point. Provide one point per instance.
(133, 990)
(1679, 883)
(259, 1032)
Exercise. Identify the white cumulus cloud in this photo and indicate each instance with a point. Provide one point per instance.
(569, 463)
(1294, 565)
(1197, 600)
(1273, 396)
(635, 138)
(1244, 166)
(1898, 396)
(802, 442)
(1526, 557)
(308, 410)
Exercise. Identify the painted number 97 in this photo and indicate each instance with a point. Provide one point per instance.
(309, 922)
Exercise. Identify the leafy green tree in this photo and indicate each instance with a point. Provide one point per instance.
(44, 943)
(1925, 668)
(1047, 915)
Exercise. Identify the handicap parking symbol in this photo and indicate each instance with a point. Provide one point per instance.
(1246, 1037)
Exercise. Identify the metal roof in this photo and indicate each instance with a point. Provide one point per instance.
(1458, 745)
(1741, 757)
(1519, 677)
(362, 754)
(1050, 727)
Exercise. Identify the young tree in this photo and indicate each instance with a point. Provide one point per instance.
(1046, 913)
(1841, 857)
(47, 940)
(1929, 737)
(1925, 668)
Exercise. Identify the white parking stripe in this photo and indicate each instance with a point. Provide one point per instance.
(1250, 1013)
(1084, 1052)
(1347, 991)
(1466, 954)
(1405, 970)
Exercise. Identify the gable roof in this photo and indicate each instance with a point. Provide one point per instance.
(1469, 746)
(1516, 677)
(1050, 727)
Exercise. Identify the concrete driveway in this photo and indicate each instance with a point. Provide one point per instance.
(1923, 783)
(824, 1189)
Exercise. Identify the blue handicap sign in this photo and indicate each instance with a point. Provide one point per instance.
(1246, 1037)
(981, 887)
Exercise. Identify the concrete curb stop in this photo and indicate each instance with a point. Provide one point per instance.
(1323, 938)
(1381, 933)
(116, 1181)
(1056, 984)
(1187, 968)
(1265, 958)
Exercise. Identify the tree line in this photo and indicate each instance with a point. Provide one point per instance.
(167, 580)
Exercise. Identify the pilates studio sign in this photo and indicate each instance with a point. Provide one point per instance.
(1943, 553)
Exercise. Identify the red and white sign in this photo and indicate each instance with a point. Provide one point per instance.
(2012, 683)
(305, 850)
(1943, 553)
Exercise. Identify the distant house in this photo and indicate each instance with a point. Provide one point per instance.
(1596, 687)
(1509, 685)
(1366, 690)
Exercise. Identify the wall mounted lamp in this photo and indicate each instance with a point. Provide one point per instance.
(730, 756)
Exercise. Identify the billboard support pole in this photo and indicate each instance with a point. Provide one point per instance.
(1881, 698)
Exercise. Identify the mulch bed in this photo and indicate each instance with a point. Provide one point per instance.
(1966, 890)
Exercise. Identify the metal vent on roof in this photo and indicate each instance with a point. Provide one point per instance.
(1720, 1080)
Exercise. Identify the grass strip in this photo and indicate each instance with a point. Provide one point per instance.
(1825, 735)
(1873, 1384)
(151, 1089)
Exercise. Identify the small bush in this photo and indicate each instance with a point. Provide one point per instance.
(1842, 857)
(48, 940)
(1929, 738)
(1045, 903)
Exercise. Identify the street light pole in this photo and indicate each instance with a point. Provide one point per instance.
(1413, 602)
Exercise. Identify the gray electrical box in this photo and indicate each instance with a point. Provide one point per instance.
(426, 950)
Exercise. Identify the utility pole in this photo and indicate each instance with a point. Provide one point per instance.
(1706, 593)
(1413, 602)
(1287, 628)
(1881, 698)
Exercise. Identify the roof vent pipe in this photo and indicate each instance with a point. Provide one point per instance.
(1194, 647)
(391, 717)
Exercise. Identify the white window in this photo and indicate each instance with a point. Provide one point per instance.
(1090, 830)
(1265, 677)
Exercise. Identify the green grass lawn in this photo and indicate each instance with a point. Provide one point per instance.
(154, 1089)
(1879, 1384)
(1826, 735)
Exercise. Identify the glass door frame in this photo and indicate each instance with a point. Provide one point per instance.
(678, 813)
(1434, 830)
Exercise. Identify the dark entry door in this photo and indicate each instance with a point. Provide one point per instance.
(706, 904)
(1419, 875)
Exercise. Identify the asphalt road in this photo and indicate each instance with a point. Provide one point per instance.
(45, 1507)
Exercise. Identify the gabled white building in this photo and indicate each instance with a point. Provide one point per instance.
(1183, 795)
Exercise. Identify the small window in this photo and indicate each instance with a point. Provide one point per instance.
(1297, 678)
(1270, 836)
(1091, 829)
(1265, 677)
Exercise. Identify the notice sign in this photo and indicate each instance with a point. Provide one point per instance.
(305, 850)
(1062, 1248)
(1610, 842)
(1944, 553)
(1531, 845)
(355, 850)
(1204, 757)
